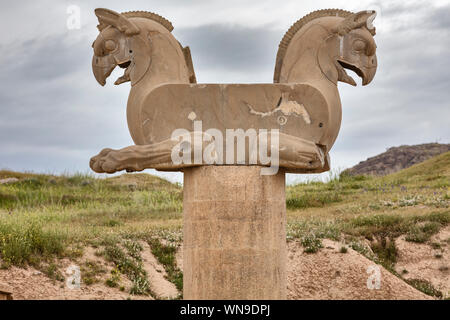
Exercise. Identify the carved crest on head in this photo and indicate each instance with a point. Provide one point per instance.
(341, 48)
(357, 20)
(108, 17)
(289, 35)
(122, 22)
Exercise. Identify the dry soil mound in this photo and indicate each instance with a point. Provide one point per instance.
(329, 274)
(426, 262)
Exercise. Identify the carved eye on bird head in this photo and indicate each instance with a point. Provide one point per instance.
(359, 45)
(110, 45)
(108, 41)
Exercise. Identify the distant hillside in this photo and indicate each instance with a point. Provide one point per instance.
(398, 158)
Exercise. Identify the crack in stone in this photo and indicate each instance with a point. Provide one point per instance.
(285, 106)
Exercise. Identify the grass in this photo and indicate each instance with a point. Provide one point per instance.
(53, 272)
(311, 199)
(422, 233)
(311, 243)
(26, 242)
(42, 215)
(46, 217)
(425, 286)
(343, 249)
(129, 263)
(414, 201)
(91, 272)
(385, 252)
(114, 280)
(166, 255)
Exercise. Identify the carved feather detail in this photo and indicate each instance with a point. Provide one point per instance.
(150, 15)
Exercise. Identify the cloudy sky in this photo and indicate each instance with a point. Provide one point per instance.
(54, 116)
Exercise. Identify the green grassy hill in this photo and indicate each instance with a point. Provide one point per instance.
(414, 201)
(44, 217)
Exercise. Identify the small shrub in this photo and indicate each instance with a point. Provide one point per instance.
(313, 200)
(53, 273)
(114, 279)
(436, 245)
(112, 223)
(131, 266)
(343, 249)
(140, 286)
(374, 206)
(360, 248)
(324, 230)
(90, 272)
(386, 252)
(408, 201)
(425, 286)
(422, 233)
(311, 243)
(165, 254)
(134, 249)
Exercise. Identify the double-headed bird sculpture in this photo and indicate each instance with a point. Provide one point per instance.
(302, 105)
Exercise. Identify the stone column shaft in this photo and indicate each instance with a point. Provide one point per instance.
(234, 233)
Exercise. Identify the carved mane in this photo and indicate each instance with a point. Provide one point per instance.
(282, 48)
(168, 25)
(150, 15)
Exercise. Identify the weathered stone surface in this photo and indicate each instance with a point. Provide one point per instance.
(304, 106)
(234, 233)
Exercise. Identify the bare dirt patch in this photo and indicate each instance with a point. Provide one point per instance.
(426, 261)
(32, 284)
(326, 274)
(157, 275)
(330, 274)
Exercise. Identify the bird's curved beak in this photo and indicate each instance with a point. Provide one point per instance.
(368, 74)
(365, 70)
(102, 68)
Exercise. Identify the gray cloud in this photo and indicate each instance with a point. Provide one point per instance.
(231, 47)
(53, 118)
